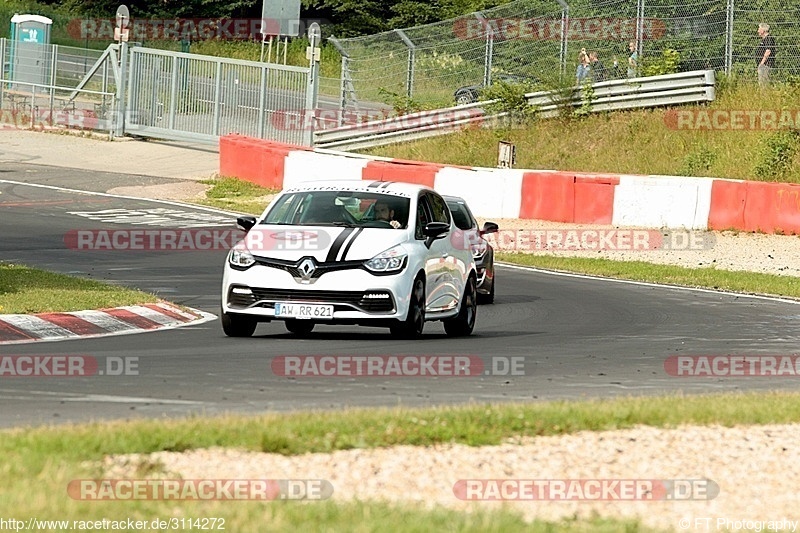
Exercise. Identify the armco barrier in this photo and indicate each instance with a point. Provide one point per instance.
(568, 197)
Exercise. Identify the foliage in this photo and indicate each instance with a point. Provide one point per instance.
(698, 161)
(401, 103)
(511, 99)
(777, 154)
(587, 98)
(668, 63)
(441, 62)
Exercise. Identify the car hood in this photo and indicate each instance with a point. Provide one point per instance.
(323, 243)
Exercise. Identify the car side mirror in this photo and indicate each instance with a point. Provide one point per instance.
(433, 231)
(436, 230)
(489, 227)
(245, 223)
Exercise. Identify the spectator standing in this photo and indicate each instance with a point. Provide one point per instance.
(583, 66)
(765, 54)
(633, 60)
(598, 70)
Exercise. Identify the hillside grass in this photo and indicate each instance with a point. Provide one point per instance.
(635, 142)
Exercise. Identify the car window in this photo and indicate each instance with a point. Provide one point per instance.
(423, 216)
(439, 209)
(461, 216)
(357, 208)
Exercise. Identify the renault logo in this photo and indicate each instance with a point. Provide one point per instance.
(307, 267)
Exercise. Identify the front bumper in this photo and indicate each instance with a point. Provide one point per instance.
(357, 295)
(484, 268)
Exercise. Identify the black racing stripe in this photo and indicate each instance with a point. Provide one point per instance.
(375, 184)
(386, 184)
(349, 244)
(337, 244)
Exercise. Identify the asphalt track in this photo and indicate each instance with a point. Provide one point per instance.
(577, 337)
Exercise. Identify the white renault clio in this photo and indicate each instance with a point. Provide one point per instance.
(368, 253)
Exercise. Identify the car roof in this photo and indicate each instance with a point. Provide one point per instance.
(458, 199)
(395, 188)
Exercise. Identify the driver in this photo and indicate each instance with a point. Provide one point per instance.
(385, 213)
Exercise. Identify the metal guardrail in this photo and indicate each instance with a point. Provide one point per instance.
(635, 93)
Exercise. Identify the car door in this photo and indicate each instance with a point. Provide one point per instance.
(443, 262)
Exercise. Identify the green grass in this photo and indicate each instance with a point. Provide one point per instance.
(40, 462)
(29, 290)
(237, 195)
(637, 142)
(712, 278)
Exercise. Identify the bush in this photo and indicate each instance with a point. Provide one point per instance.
(511, 99)
(668, 63)
(776, 154)
(697, 162)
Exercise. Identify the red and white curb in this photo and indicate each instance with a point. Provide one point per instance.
(18, 329)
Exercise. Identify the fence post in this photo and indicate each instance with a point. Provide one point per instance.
(564, 27)
(345, 73)
(312, 90)
(488, 49)
(121, 88)
(729, 37)
(262, 101)
(53, 79)
(217, 98)
(412, 50)
(639, 34)
(173, 92)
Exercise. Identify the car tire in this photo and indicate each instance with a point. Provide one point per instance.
(464, 99)
(412, 326)
(237, 325)
(463, 324)
(299, 327)
(484, 299)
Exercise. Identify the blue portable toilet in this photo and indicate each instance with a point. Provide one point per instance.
(30, 55)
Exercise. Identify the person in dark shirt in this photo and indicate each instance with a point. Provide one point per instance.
(598, 70)
(765, 54)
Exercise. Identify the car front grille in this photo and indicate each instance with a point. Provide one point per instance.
(342, 300)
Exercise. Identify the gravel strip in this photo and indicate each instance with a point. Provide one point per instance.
(753, 467)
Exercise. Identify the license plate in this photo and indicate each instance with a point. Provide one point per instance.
(309, 311)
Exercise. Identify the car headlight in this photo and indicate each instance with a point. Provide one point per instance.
(240, 257)
(392, 260)
(479, 250)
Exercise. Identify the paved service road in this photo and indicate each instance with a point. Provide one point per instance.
(576, 337)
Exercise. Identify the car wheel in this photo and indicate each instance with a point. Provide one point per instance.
(237, 325)
(463, 99)
(463, 324)
(487, 298)
(412, 326)
(299, 327)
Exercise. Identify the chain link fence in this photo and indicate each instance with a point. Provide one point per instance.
(540, 41)
(38, 87)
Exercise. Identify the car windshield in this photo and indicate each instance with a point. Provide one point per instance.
(340, 208)
(460, 215)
